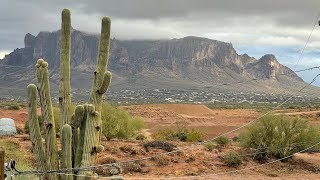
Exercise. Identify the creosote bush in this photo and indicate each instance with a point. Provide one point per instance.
(181, 133)
(13, 107)
(232, 159)
(279, 137)
(117, 123)
(222, 140)
(209, 146)
(161, 160)
(159, 145)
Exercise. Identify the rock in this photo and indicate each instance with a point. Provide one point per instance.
(7, 127)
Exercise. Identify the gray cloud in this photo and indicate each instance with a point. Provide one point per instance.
(245, 22)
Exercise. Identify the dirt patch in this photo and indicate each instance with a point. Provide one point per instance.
(195, 163)
(212, 122)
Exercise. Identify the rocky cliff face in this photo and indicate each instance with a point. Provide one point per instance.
(191, 59)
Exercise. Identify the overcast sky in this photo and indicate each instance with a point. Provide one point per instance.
(255, 27)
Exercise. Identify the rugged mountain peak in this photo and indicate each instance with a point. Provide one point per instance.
(191, 58)
(268, 58)
(29, 40)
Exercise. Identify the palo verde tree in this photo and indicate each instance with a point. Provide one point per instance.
(80, 130)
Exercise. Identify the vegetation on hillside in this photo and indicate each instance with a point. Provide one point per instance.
(279, 137)
(118, 123)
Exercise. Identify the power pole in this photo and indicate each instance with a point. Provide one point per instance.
(1, 165)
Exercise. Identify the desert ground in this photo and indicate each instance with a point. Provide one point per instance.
(195, 162)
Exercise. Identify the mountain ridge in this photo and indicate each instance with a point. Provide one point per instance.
(190, 60)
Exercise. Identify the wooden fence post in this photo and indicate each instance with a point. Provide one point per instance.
(1, 165)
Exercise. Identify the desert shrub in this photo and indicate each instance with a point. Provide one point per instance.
(276, 136)
(318, 114)
(141, 137)
(161, 160)
(209, 146)
(222, 140)
(159, 145)
(194, 136)
(132, 167)
(232, 159)
(13, 107)
(165, 135)
(181, 134)
(117, 123)
(112, 169)
(235, 139)
(129, 150)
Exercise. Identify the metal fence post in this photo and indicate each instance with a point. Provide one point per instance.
(1, 165)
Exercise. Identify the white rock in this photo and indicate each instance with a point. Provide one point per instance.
(7, 127)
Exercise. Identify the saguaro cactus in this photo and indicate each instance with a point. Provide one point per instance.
(81, 132)
(64, 89)
(47, 113)
(34, 131)
(102, 78)
(66, 148)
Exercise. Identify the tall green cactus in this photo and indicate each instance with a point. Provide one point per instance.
(64, 88)
(81, 132)
(34, 129)
(102, 78)
(47, 113)
(66, 149)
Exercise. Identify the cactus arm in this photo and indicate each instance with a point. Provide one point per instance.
(99, 83)
(66, 161)
(80, 144)
(75, 141)
(64, 88)
(78, 117)
(46, 107)
(102, 62)
(105, 83)
(34, 129)
(90, 144)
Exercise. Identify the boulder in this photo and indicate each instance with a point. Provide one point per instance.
(7, 127)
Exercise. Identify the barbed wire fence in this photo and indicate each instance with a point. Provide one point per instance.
(10, 167)
(65, 171)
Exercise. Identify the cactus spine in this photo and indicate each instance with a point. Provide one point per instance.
(81, 132)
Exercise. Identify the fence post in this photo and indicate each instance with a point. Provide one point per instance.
(1, 165)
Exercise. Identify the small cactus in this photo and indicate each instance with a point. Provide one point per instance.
(66, 148)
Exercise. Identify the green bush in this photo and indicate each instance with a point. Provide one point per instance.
(195, 136)
(117, 123)
(141, 137)
(222, 140)
(232, 159)
(276, 136)
(181, 133)
(167, 146)
(165, 135)
(209, 146)
(161, 161)
(13, 107)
